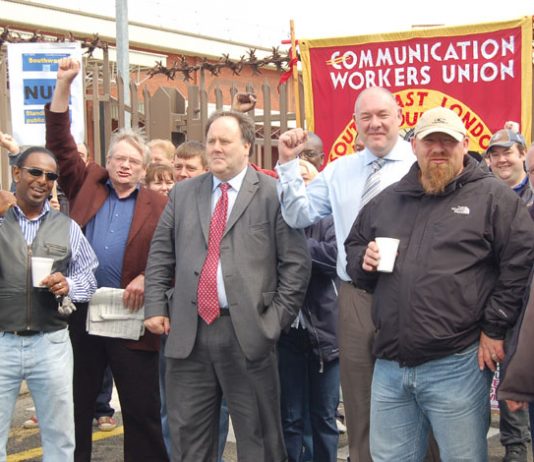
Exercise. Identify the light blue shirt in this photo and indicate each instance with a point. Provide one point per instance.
(235, 185)
(337, 191)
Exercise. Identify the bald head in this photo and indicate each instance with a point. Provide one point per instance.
(375, 93)
(378, 118)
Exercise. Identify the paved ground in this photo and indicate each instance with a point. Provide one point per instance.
(24, 445)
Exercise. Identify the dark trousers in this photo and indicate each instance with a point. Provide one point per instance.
(513, 426)
(103, 408)
(305, 387)
(195, 385)
(531, 419)
(136, 379)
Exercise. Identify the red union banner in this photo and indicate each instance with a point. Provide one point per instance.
(482, 72)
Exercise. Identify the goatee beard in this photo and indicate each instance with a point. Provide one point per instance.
(436, 177)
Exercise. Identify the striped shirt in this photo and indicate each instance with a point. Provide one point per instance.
(80, 272)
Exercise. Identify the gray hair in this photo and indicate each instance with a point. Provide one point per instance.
(133, 136)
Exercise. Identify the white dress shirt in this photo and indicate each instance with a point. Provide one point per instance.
(235, 185)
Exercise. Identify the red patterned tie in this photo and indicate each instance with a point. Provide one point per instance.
(207, 298)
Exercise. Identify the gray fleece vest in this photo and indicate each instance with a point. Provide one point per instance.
(22, 306)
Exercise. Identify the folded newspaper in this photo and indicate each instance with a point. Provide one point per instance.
(108, 317)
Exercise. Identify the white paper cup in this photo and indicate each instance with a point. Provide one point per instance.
(41, 268)
(387, 248)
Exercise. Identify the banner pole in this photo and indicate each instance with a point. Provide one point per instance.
(295, 72)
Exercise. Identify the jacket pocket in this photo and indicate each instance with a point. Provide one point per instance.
(267, 299)
(55, 249)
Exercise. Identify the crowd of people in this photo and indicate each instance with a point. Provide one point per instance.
(258, 294)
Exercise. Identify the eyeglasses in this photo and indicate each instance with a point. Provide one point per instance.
(37, 172)
(122, 159)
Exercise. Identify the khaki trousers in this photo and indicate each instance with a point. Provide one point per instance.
(356, 334)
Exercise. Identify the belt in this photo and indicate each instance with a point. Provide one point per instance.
(350, 283)
(23, 333)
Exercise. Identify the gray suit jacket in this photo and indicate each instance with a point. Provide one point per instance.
(265, 264)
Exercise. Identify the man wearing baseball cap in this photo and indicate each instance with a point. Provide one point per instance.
(506, 153)
(455, 288)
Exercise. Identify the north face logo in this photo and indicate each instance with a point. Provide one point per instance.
(461, 210)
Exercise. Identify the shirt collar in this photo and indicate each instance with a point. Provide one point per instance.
(109, 184)
(394, 154)
(234, 182)
(19, 213)
(521, 185)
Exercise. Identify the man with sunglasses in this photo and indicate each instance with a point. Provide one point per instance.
(34, 338)
(118, 217)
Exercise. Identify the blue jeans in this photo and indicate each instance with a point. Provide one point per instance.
(300, 377)
(450, 395)
(163, 396)
(223, 429)
(45, 362)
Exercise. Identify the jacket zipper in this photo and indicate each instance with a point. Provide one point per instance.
(29, 289)
(316, 335)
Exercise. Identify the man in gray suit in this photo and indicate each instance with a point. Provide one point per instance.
(224, 292)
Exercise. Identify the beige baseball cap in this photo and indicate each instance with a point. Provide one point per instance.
(440, 120)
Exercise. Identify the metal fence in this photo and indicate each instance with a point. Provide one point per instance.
(166, 113)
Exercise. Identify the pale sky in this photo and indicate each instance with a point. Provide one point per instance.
(267, 23)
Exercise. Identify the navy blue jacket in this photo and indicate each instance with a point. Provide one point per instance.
(320, 308)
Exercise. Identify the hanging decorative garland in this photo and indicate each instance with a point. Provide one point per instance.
(280, 59)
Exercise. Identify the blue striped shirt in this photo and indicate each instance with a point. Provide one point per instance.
(80, 272)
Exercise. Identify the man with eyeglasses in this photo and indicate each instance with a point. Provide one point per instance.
(119, 218)
(34, 337)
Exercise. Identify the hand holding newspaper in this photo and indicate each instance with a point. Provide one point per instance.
(108, 317)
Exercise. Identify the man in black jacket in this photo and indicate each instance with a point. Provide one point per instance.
(466, 249)
(506, 153)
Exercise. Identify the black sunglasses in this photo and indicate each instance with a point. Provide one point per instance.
(37, 172)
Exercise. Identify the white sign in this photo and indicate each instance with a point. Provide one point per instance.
(32, 79)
